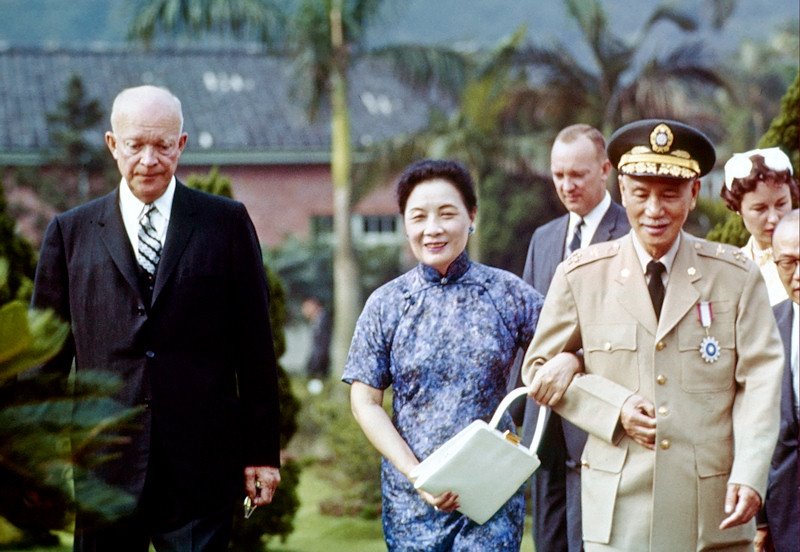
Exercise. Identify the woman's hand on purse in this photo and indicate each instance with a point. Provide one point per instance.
(446, 502)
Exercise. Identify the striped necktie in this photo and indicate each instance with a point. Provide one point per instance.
(149, 251)
(575, 244)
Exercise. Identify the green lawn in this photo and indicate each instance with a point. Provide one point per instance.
(317, 533)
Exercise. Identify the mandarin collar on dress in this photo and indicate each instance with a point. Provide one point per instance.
(455, 271)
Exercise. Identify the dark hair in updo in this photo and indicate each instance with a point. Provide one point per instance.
(431, 169)
(759, 173)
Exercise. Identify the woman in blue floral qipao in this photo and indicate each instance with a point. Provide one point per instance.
(444, 336)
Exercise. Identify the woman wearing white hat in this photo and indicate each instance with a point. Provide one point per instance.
(760, 187)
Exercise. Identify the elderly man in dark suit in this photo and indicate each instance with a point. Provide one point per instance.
(163, 286)
(580, 169)
(779, 519)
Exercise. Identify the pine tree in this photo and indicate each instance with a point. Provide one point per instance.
(69, 126)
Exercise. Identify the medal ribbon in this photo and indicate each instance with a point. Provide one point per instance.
(705, 314)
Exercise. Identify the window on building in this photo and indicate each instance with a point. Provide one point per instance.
(379, 224)
(321, 225)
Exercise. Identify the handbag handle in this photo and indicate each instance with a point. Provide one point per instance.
(506, 402)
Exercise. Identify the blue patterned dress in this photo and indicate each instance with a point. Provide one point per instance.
(445, 345)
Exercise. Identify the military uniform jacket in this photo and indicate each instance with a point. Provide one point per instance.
(670, 498)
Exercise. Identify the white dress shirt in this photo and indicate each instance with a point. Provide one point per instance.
(132, 210)
(590, 222)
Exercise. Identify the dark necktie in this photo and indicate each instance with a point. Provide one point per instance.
(149, 251)
(656, 286)
(576, 238)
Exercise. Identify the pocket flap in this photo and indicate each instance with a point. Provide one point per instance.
(714, 458)
(604, 456)
(609, 337)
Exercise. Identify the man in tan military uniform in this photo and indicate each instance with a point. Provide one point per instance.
(681, 360)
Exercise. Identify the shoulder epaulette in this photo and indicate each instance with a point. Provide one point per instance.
(721, 251)
(586, 255)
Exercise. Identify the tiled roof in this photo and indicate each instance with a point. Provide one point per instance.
(236, 103)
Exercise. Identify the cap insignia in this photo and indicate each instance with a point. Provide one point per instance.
(661, 138)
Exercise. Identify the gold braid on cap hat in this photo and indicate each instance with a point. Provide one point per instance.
(659, 161)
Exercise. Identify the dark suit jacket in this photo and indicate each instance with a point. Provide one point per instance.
(782, 504)
(199, 358)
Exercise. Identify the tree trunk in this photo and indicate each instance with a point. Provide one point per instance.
(346, 277)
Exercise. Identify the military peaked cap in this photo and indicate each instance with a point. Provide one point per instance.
(660, 147)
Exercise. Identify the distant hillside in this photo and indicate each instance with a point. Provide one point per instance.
(470, 23)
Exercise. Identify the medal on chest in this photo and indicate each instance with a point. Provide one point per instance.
(709, 346)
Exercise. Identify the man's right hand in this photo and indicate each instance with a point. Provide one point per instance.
(638, 418)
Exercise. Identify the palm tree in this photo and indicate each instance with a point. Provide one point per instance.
(618, 85)
(323, 37)
(487, 132)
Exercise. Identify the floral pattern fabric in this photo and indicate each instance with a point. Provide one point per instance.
(445, 345)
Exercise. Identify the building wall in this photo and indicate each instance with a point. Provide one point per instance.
(282, 199)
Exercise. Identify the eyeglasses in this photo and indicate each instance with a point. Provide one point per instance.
(787, 265)
(741, 164)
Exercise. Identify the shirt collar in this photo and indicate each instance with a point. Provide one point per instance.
(455, 271)
(133, 207)
(592, 219)
(760, 256)
(644, 257)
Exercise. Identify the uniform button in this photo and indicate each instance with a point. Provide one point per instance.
(663, 410)
(660, 346)
(607, 346)
(150, 354)
(664, 444)
(661, 379)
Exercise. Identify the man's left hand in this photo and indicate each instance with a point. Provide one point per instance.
(552, 378)
(741, 503)
(268, 479)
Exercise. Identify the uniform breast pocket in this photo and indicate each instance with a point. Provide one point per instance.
(610, 351)
(697, 374)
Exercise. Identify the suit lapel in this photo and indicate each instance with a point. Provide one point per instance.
(607, 225)
(681, 293)
(556, 246)
(116, 239)
(181, 226)
(632, 291)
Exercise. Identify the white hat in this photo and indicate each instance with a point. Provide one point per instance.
(741, 164)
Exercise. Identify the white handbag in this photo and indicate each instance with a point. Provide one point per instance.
(483, 466)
